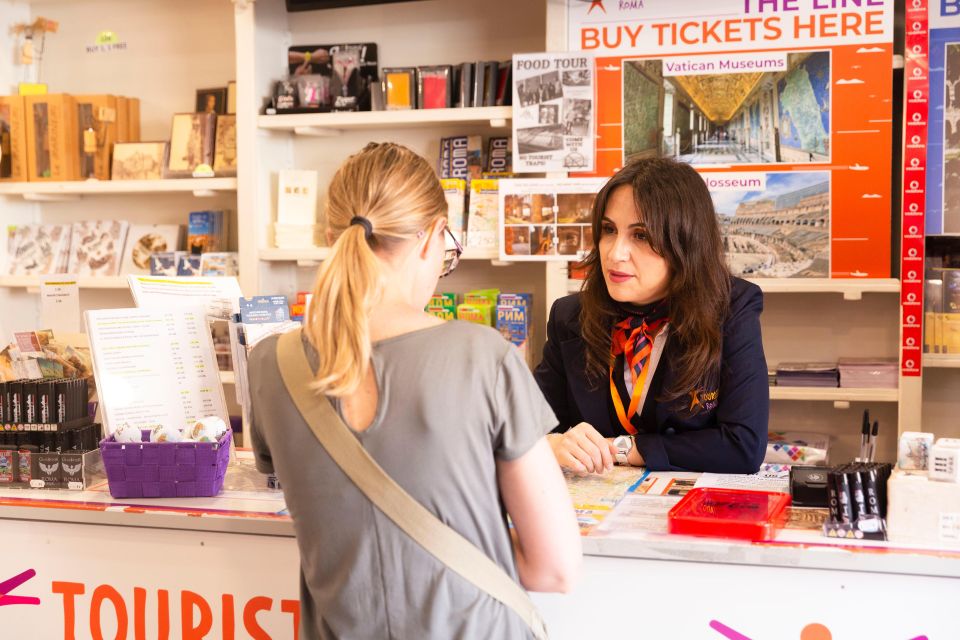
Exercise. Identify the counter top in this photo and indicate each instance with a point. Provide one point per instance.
(244, 506)
(622, 515)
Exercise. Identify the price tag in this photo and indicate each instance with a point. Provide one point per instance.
(60, 304)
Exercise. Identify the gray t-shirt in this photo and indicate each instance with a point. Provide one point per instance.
(453, 399)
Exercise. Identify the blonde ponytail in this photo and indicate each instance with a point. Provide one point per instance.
(348, 286)
(398, 194)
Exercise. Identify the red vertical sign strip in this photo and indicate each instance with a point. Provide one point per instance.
(915, 113)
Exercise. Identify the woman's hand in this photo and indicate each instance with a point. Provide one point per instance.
(583, 450)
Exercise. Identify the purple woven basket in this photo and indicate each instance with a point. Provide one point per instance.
(165, 469)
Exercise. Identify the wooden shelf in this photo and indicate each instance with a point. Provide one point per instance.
(317, 254)
(941, 360)
(331, 124)
(851, 289)
(834, 394)
(471, 253)
(310, 254)
(33, 282)
(74, 190)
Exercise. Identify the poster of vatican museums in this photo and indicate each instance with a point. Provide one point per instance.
(783, 106)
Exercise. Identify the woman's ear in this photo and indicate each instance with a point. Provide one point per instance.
(434, 234)
(329, 237)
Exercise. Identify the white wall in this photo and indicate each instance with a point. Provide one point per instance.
(174, 47)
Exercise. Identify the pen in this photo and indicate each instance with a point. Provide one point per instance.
(857, 494)
(869, 477)
(845, 505)
(873, 435)
(864, 434)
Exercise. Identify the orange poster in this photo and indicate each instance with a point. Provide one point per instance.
(783, 106)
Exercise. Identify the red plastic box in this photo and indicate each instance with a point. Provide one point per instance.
(729, 513)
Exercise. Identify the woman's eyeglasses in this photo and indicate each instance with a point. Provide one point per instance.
(451, 255)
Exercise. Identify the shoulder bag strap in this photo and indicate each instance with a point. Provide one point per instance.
(442, 542)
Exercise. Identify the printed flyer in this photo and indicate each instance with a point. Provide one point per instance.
(553, 112)
(544, 219)
(943, 145)
(784, 106)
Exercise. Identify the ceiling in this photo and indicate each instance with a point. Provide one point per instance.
(718, 96)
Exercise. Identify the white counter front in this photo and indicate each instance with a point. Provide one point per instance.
(226, 567)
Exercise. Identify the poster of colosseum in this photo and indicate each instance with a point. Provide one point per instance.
(774, 224)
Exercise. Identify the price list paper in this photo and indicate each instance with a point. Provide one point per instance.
(154, 367)
(60, 304)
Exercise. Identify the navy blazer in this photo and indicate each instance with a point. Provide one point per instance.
(722, 429)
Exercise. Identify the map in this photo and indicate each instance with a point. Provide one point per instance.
(594, 496)
(805, 105)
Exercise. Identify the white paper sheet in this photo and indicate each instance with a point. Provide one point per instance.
(219, 297)
(154, 367)
(771, 477)
(60, 304)
(638, 513)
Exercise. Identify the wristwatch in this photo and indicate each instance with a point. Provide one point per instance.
(624, 445)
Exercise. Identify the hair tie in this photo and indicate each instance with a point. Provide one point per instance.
(363, 222)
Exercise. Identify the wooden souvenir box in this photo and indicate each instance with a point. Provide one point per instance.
(13, 139)
(52, 137)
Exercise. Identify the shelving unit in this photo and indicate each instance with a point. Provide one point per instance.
(169, 57)
(54, 191)
(414, 34)
(332, 124)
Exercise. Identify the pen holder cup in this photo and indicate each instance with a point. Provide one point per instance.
(165, 469)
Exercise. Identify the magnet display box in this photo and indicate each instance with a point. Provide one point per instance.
(72, 470)
(97, 123)
(729, 513)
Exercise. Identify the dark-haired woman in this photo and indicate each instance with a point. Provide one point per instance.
(658, 361)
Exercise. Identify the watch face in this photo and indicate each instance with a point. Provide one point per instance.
(623, 443)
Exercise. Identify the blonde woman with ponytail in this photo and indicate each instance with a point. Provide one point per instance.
(449, 410)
